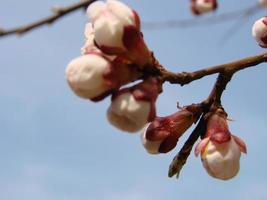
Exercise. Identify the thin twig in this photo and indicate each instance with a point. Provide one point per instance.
(57, 14)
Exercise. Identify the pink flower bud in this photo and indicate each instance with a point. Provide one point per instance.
(202, 6)
(162, 134)
(131, 108)
(263, 3)
(259, 31)
(93, 76)
(220, 150)
(117, 31)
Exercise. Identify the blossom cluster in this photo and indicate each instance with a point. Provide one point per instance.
(114, 55)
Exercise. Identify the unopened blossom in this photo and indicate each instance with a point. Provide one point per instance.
(203, 6)
(162, 134)
(117, 30)
(263, 3)
(93, 76)
(220, 150)
(132, 108)
(259, 31)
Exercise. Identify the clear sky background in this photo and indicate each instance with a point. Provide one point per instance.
(56, 146)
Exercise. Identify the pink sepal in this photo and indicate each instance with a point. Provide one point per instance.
(264, 40)
(134, 42)
(201, 146)
(168, 144)
(137, 20)
(264, 20)
(241, 144)
(221, 137)
(156, 130)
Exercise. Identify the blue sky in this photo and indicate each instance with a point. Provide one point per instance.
(55, 146)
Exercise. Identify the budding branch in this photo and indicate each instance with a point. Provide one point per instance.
(224, 71)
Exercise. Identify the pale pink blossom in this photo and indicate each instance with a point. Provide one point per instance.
(203, 6)
(220, 150)
(93, 76)
(132, 108)
(117, 31)
(259, 31)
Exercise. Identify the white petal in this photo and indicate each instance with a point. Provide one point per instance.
(128, 114)
(109, 32)
(95, 9)
(151, 147)
(85, 75)
(121, 11)
(222, 160)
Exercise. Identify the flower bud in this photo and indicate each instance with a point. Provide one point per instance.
(202, 6)
(131, 108)
(162, 134)
(263, 3)
(93, 76)
(220, 150)
(259, 31)
(117, 31)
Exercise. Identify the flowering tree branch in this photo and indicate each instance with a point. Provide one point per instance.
(214, 98)
(58, 13)
(115, 54)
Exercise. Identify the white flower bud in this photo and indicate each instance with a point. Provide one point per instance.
(127, 113)
(220, 150)
(85, 75)
(259, 31)
(202, 6)
(132, 108)
(221, 160)
(109, 20)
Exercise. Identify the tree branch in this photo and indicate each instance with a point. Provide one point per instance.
(57, 14)
(187, 77)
